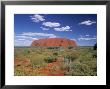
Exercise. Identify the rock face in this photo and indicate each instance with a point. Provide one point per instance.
(54, 42)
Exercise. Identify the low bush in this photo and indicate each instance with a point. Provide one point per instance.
(50, 59)
(70, 47)
(55, 54)
(71, 57)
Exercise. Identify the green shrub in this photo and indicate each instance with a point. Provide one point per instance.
(71, 57)
(55, 54)
(50, 59)
(53, 47)
(26, 51)
(94, 54)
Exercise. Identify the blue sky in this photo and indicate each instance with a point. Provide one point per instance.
(79, 27)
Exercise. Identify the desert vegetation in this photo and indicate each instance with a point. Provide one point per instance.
(55, 61)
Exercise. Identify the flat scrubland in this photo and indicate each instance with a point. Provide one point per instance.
(55, 61)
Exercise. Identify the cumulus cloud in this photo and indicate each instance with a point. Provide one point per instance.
(37, 18)
(54, 25)
(74, 39)
(51, 24)
(44, 28)
(37, 34)
(67, 28)
(88, 22)
(54, 36)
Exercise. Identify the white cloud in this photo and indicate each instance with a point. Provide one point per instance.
(88, 22)
(86, 38)
(74, 39)
(87, 35)
(20, 40)
(37, 34)
(34, 38)
(23, 37)
(53, 36)
(51, 24)
(67, 28)
(37, 18)
(26, 38)
(44, 28)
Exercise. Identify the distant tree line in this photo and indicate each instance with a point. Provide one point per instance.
(95, 47)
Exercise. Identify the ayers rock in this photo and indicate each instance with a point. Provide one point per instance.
(54, 42)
